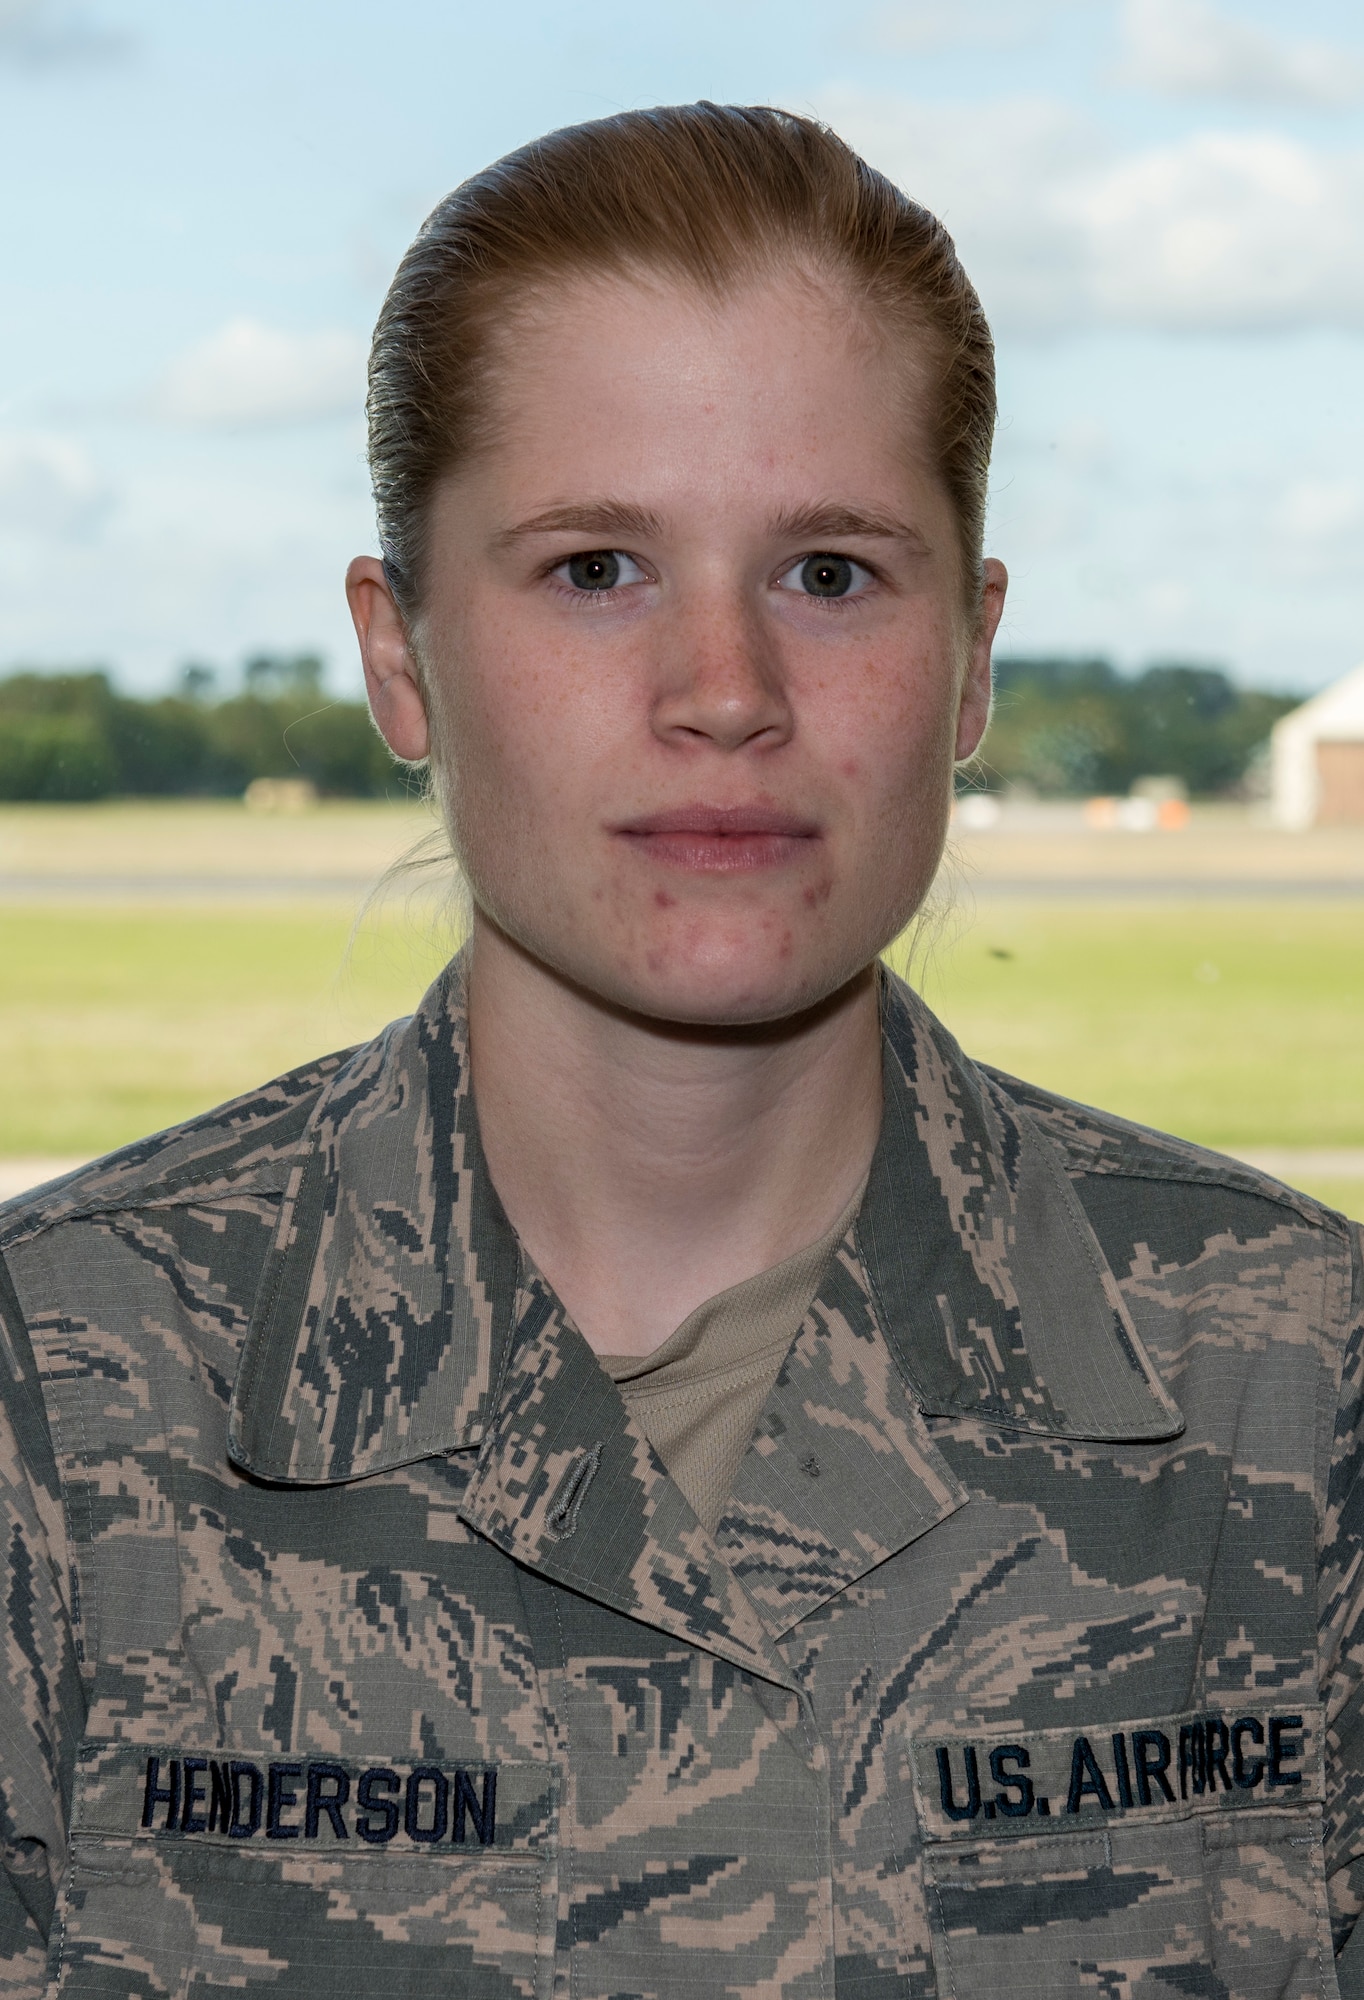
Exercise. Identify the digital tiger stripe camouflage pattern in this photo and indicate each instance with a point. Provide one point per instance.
(354, 1633)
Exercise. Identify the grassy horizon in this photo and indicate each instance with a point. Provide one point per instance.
(1236, 1024)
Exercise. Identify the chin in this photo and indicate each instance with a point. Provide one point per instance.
(733, 992)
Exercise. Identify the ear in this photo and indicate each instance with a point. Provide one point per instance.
(395, 698)
(974, 711)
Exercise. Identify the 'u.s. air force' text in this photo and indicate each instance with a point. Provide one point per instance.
(313, 1801)
(1123, 1770)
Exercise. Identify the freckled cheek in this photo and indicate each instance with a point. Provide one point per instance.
(540, 728)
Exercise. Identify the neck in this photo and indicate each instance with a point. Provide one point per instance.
(646, 1167)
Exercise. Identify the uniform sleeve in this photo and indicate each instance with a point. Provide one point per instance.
(1341, 1601)
(41, 1700)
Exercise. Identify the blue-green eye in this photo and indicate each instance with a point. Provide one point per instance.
(826, 575)
(599, 570)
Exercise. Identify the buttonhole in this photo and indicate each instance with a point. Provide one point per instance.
(564, 1508)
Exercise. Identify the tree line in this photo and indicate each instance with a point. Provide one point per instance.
(74, 736)
(1077, 727)
(1064, 727)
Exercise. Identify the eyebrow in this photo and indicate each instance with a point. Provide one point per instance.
(809, 523)
(601, 521)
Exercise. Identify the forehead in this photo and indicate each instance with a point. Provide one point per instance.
(786, 375)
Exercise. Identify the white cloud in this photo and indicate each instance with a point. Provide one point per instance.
(248, 374)
(1188, 48)
(1228, 231)
(49, 488)
(1214, 232)
(918, 26)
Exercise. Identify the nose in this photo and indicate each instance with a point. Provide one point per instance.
(721, 681)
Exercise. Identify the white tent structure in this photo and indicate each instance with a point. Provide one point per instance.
(1317, 758)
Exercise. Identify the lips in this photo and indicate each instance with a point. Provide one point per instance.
(722, 839)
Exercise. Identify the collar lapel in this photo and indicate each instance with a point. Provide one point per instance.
(971, 1287)
(373, 1338)
(992, 1289)
(569, 1486)
(841, 1472)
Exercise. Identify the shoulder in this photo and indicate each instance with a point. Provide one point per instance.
(1099, 1144)
(246, 1146)
(1158, 1203)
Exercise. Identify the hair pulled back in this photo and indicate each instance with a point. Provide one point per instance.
(709, 193)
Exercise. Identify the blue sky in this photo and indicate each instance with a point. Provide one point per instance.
(1161, 201)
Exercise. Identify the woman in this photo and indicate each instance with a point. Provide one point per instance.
(658, 1475)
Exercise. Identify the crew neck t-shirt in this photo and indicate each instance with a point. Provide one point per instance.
(699, 1395)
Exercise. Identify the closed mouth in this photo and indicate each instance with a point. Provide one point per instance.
(722, 839)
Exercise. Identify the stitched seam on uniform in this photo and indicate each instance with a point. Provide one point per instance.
(566, 1846)
(90, 1510)
(824, 1823)
(159, 1197)
(1328, 1401)
(92, 1595)
(276, 1280)
(946, 1944)
(499, 1387)
(251, 1359)
(1090, 1248)
(882, 1319)
(890, 1810)
(1184, 1175)
(59, 1452)
(61, 1921)
(1321, 1922)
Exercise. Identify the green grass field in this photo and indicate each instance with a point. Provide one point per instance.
(1235, 1023)
(117, 1020)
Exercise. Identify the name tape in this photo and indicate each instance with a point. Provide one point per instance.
(128, 1789)
(1028, 1782)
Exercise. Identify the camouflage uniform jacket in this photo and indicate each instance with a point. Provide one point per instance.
(355, 1633)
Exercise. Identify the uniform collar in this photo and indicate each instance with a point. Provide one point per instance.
(387, 1318)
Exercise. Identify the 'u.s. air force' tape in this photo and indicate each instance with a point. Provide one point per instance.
(425, 1806)
(1053, 1780)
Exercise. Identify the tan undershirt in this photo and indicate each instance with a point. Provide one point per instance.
(699, 1395)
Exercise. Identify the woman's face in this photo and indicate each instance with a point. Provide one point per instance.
(701, 661)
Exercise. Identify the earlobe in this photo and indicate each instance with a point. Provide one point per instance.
(395, 698)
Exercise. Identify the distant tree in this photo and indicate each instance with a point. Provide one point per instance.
(197, 682)
(1077, 726)
(271, 676)
(72, 736)
(55, 736)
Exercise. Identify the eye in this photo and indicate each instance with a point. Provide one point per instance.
(826, 576)
(599, 570)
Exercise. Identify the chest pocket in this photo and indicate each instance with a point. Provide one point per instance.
(1177, 1855)
(309, 1877)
